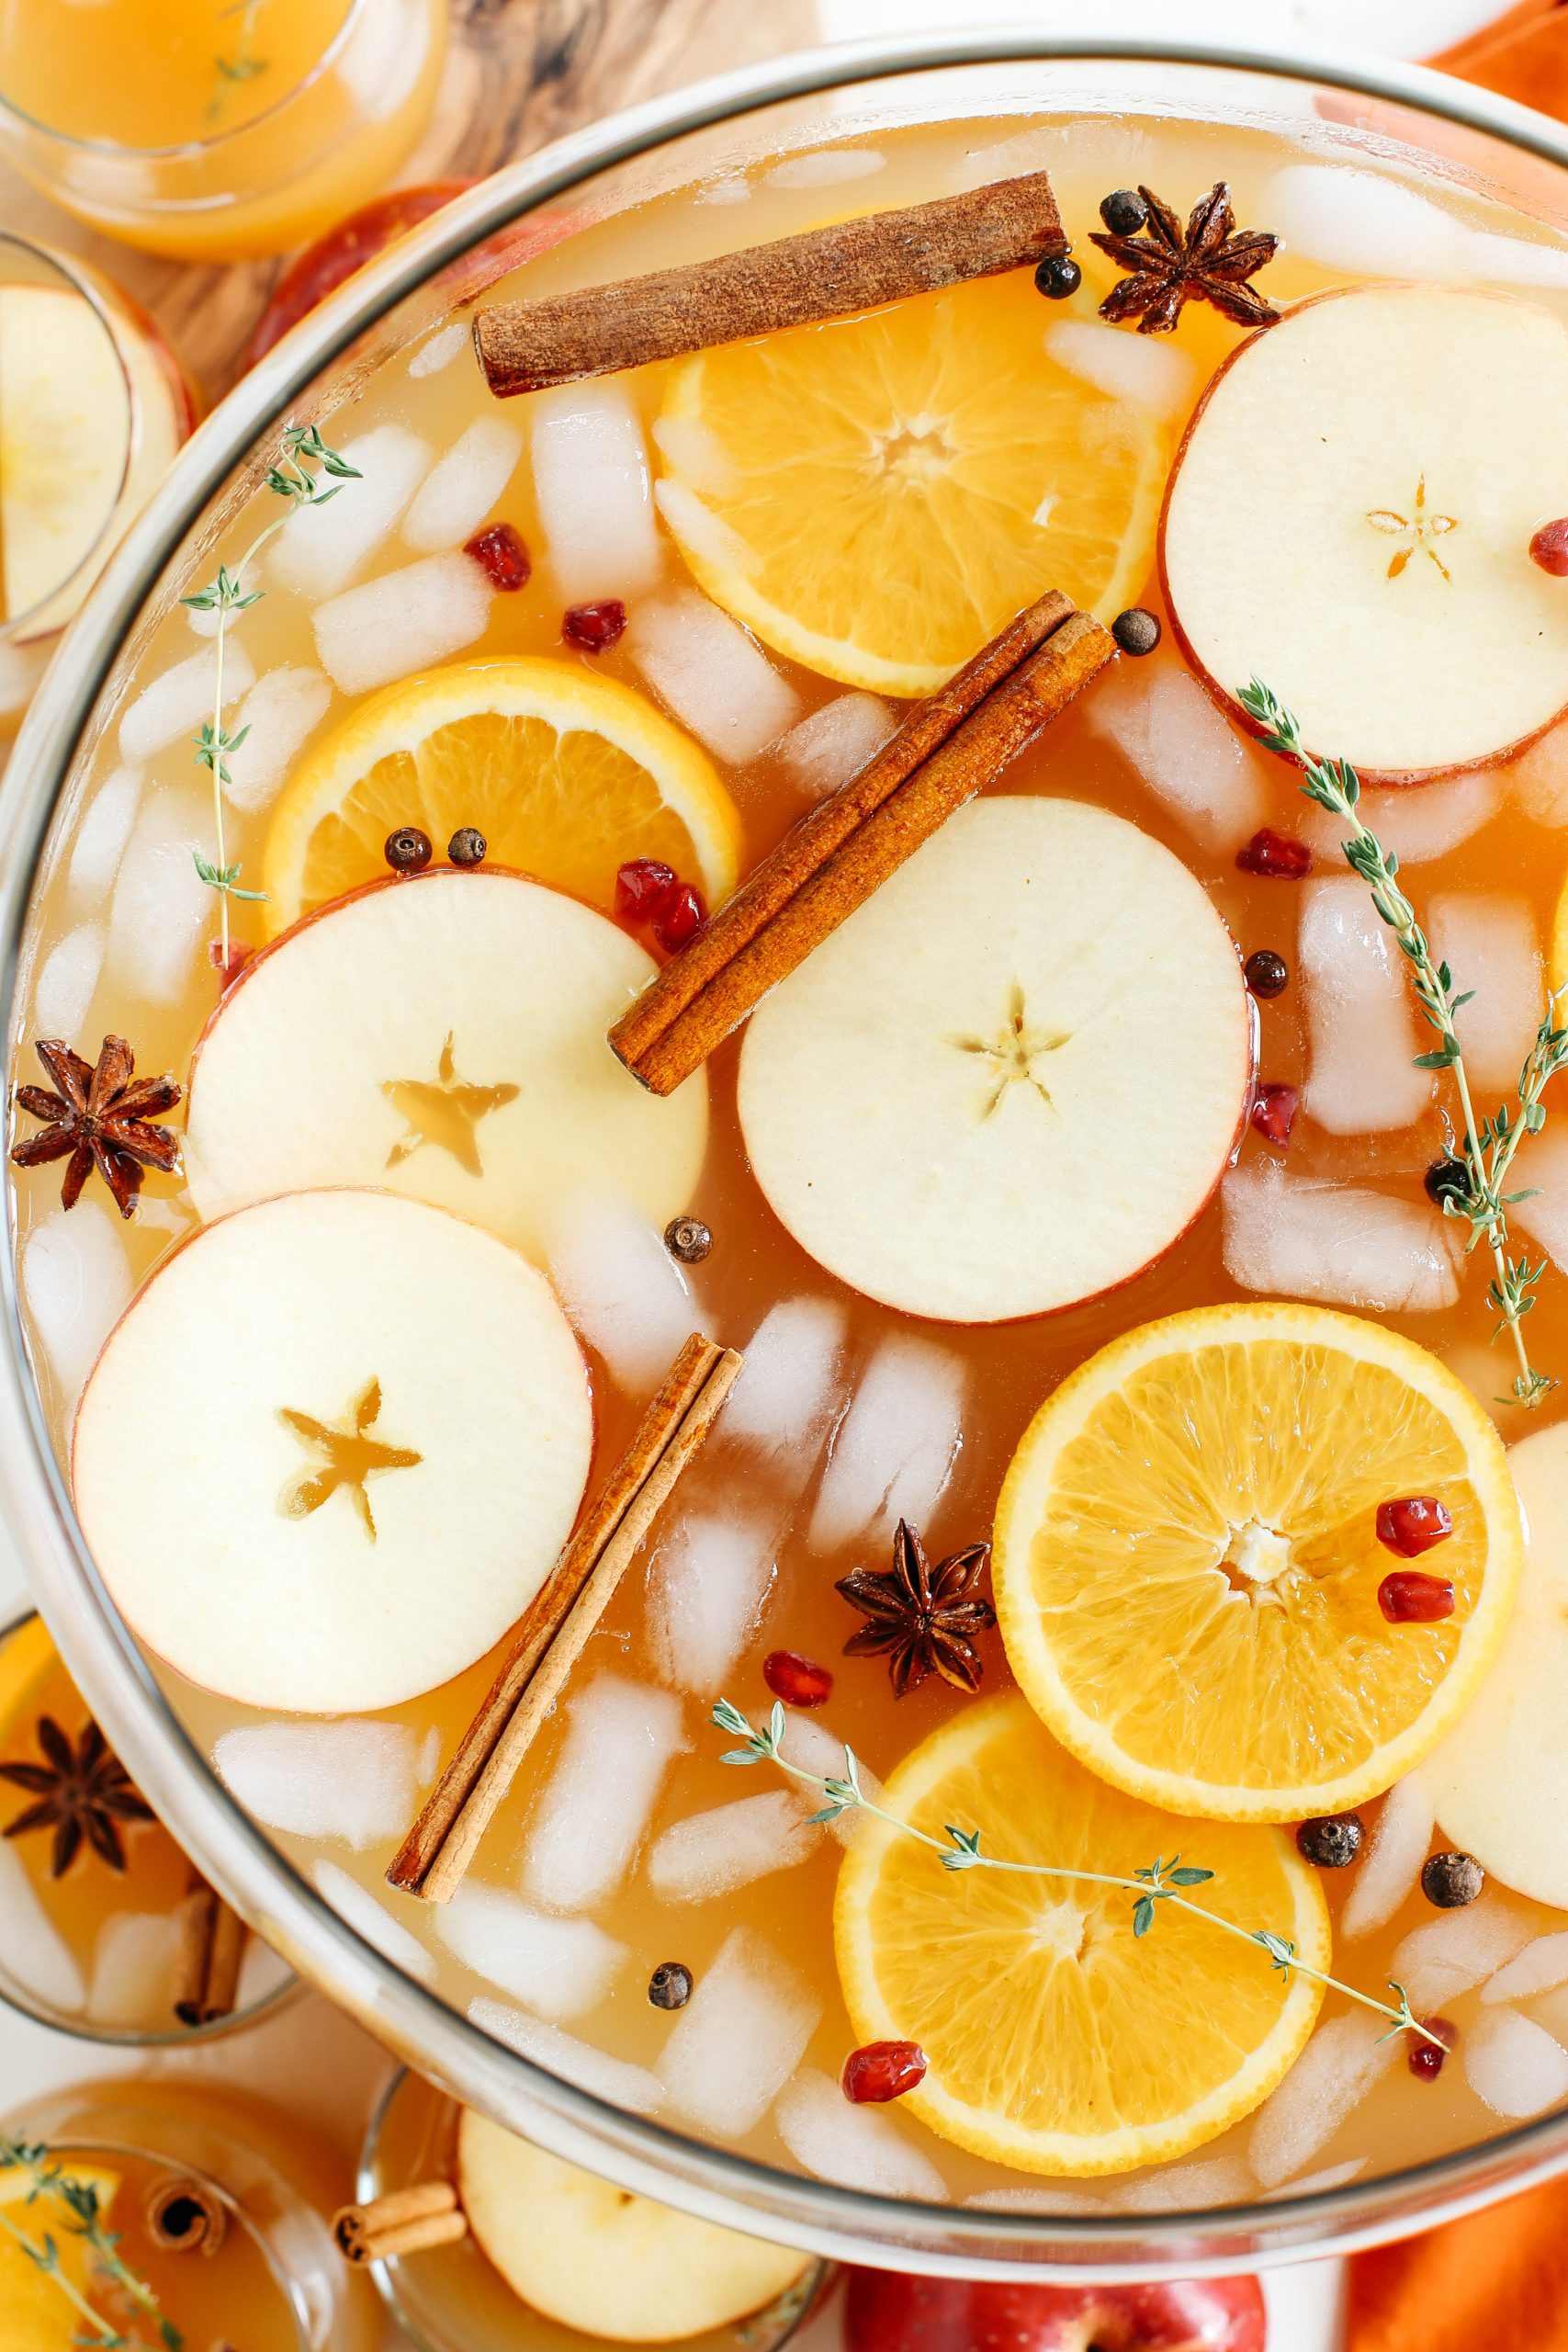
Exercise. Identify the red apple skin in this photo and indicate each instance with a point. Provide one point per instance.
(1211, 685)
(322, 269)
(886, 2312)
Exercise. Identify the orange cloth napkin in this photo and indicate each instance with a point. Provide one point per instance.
(1523, 55)
(1496, 2282)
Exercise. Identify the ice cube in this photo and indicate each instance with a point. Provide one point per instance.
(102, 834)
(1047, 2199)
(135, 1956)
(708, 1584)
(463, 487)
(405, 620)
(591, 486)
(1540, 1967)
(808, 1743)
(1489, 943)
(1416, 825)
(1312, 2184)
(592, 2070)
(282, 710)
(739, 2038)
(1447, 1956)
(729, 190)
(1292, 1237)
(826, 167)
(787, 1391)
(1187, 2189)
(1514, 2066)
(320, 549)
(1541, 779)
(67, 980)
(1362, 1027)
(37, 1955)
(1515, 261)
(369, 1915)
(1170, 733)
(558, 1968)
(712, 539)
(342, 1778)
(179, 700)
(696, 454)
(1007, 159)
(730, 1846)
(895, 1447)
(623, 1292)
(1356, 220)
(712, 673)
(1151, 375)
(589, 1818)
(1392, 1863)
(1334, 2073)
(1544, 1169)
(161, 905)
(441, 349)
(823, 752)
(77, 1281)
(859, 2147)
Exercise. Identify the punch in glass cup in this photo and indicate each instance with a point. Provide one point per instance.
(103, 1934)
(218, 131)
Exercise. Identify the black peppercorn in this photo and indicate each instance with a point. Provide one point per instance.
(1266, 973)
(670, 1987)
(1123, 211)
(1057, 276)
(1446, 1179)
(688, 1238)
(1450, 1881)
(407, 850)
(1331, 1842)
(1135, 631)
(467, 847)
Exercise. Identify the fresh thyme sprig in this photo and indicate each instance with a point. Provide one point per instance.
(303, 462)
(79, 2200)
(1162, 1882)
(244, 64)
(1488, 1146)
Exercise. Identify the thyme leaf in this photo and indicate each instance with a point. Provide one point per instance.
(78, 2201)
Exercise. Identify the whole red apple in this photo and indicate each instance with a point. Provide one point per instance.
(886, 2312)
(339, 250)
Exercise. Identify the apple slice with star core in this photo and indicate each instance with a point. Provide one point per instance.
(1349, 519)
(1013, 1078)
(330, 1451)
(443, 1036)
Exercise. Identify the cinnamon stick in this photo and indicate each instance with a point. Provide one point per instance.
(822, 274)
(212, 1944)
(405, 2220)
(558, 1620)
(845, 848)
(185, 2216)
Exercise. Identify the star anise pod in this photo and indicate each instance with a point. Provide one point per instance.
(1210, 261)
(99, 1118)
(81, 1792)
(921, 1618)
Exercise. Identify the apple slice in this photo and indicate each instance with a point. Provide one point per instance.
(445, 1036)
(1350, 520)
(1013, 1078)
(64, 439)
(329, 1451)
(1490, 1779)
(599, 2259)
(889, 2312)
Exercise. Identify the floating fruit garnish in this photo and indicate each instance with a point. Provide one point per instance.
(1406, 435)
(1208, 261)
(1446, 1179)
(1549, 548)
(468, 847)
(1331, 1842)
(1266, 973)
(1450, 1881)
(799, 1682)
(99, 1116)
(688, 1238)
(1273, 1113)
(1137, 632)
(882, 2071)
(670, 1987)
(80, 1790)
(1180, 1614)
(919, 1618)
(1412, 1525)
(1409, 1597)
(502, 556)
(593, 628)
(407, 850)
(566, 774)
(1057, 277)
(910, 447)
(1276, 856)
(1424, 2059)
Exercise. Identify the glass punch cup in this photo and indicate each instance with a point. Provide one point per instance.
(796, 1259)
(211, 130)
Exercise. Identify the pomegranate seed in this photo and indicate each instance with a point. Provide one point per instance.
(1425, 2062)
(1409, 1598)
(1413, 1525)
(502, 556)
(1275, 855)
(643, 886)
(1274, 1112)
(1550, 547)
(880, 2071)
(595, 627)
(681, 917)
(799, 1682)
